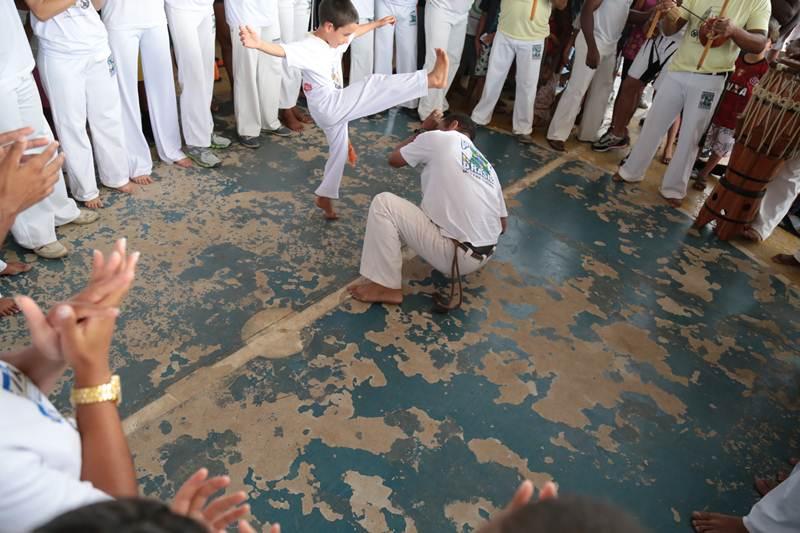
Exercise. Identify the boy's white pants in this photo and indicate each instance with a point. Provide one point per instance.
(362, 55)
(778, 199)
(403, 33)
(598, 82)
(778, 511)
(393, 221)
(153, 44)
(529, 58)
(257, 84)
(694, 94)
(294, 16)
(373, 95)
(82, 88)
(193, 37)
(447, 30)
(22, 107)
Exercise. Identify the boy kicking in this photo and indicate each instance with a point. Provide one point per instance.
(319, 57)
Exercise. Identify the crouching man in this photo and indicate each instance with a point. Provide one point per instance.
(458, 223)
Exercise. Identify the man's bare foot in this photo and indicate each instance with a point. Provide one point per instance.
(302, 116)
(374, 293)
(785, 259)
(616, 177)
(97, 203)
(8, 307)
(15, 267)
(326, 204)
(437, 78)
(142, 180)
(674, 202)
(749, 234)
(184, 163)
(290, 120)
(128, 188)
(703, 522)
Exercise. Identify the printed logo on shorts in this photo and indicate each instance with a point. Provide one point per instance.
(112, 65)
(412, 19)
(706, 99)
(475, 164)
(536, 51)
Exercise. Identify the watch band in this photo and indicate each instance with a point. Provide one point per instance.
(108, 392)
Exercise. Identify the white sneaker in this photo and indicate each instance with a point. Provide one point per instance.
(54, 250)
(218, 142)
(202, 157)
(87, 216)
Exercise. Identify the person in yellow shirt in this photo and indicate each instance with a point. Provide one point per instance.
(691, 90)
(518, 36)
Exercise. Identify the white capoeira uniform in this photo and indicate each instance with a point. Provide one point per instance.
(139, 29)
(695, 93)
(295, 18)
(446, 28)
(462, 200)
(778, 199)
(79, 75)
(191, 24)
(362, 49)
(522, 39)
(22, 107)
(403, 34)
(609, 21)
(778, 511)
(333, 107)
(257, 76)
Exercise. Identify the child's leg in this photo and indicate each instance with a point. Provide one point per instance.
(378, 93)
(500, 59)
(338, 142)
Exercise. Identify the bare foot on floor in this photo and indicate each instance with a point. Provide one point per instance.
(302, 116)
(616, 177)
(785, 259)
(763, 485)
(142, 180)
(437, 78)
(749, 234)
(97, 203)
(184, 163)
(8, 307)
(15, 267)
(703, 522)
(377, 294)
(127, 188)
(326, 204)
(674, 202)
(290, 120)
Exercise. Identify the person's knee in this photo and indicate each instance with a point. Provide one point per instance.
(382, 203)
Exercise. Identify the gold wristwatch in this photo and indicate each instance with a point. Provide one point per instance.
(108, 392)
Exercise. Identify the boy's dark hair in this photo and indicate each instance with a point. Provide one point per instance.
(132, 515)
(570, 514)
(465, 124)
(338, 12)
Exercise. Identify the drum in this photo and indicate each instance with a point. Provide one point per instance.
(767, 134)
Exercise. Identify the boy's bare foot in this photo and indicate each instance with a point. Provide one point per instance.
(184, 163)
(290, 120)
(142, 180)
(326, 204)
(128, 188)
(302, 116)
(717, 523)
(15, 267)
(97, 203)
(8, 307)
(374, 293)
(785, 259)
(437, 78)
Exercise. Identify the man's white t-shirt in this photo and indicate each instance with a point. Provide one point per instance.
(609, 22)
(133, 14)
(365, 8)
(191, 5)
(76, 31)
(40, 457)
(255, 13)
(16, 58)
(460, 190)
(458, 7)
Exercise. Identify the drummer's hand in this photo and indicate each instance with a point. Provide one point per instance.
(723, 27)
(666, 5)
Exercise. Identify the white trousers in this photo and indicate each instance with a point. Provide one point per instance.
(393, 221)
(447, 30)
(362, 55)
(82, 88)
(295, 16)
(694, 94)
(529, 58)
(22, 107)
(403, 35)
(193, 37)
(598, 82)
(373, 95)
(159, 81)
(257, 85)
(780, 195)
(778, 511)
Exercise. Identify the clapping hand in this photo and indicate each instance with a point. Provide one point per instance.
(26, 179)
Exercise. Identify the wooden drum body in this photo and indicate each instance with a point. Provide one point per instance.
(767, 134)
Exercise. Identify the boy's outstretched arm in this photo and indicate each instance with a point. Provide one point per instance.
(366, 28)
(251, 39)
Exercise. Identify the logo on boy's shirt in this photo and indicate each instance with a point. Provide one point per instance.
(475, 164)
(307, 87)
(336, 76)
(112, 65)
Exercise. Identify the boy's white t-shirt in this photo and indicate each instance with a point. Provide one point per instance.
(365, 8)
(16, 58)
(609, 22)
(76, 31)
(191, 5)
(461, 192)
(256, 13)
(133, 14)
(40, 457)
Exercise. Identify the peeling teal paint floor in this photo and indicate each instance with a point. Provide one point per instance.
(606, 346)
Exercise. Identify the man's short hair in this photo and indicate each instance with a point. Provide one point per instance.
(465, 124)
(131, 515)
(575, 514)
(338, 12)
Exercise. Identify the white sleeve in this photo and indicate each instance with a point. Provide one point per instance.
(419, 150)
(503, 209)
(297, 55)
(32, 494)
